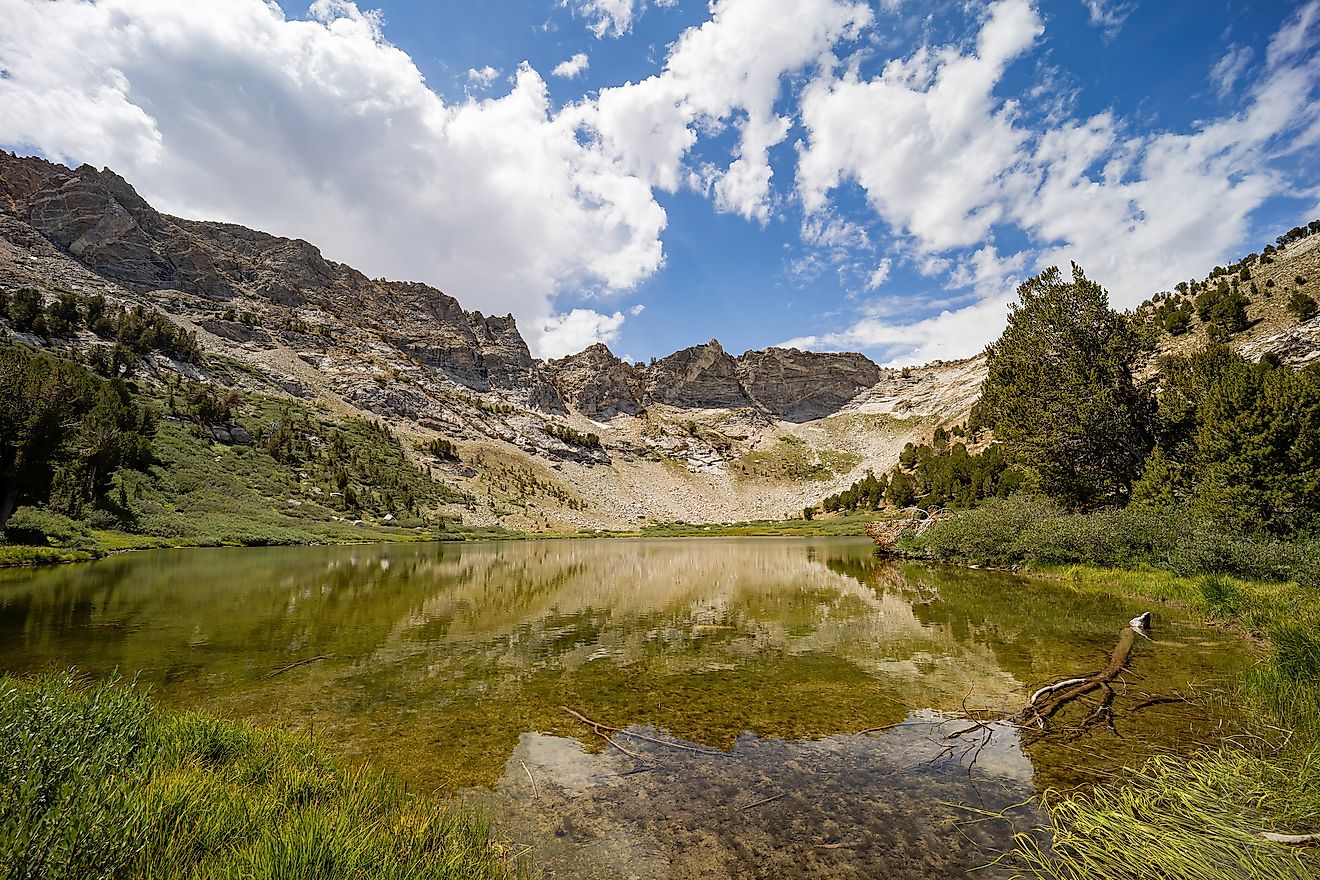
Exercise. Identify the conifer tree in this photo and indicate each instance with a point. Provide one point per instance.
(1060, 395)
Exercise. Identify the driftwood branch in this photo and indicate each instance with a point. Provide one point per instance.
(1292, 839)
(598, 726)
(1096, 690)
(295, 665)
(909, 521)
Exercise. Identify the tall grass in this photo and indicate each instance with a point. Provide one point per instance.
(97, 783)
(1196, 819)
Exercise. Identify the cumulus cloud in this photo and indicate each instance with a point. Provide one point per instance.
(320, 129)
(572, 67)
(946, 166)
(727, 71)
(926, 139)
(482, 77)
(573, 331)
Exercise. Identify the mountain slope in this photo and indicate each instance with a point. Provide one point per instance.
(699, 436)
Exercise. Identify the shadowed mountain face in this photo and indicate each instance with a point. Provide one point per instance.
(98, 219)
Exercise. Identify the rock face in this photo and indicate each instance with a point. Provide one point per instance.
(596, 383)
(97, 218)
(798, 386)
(704, 376)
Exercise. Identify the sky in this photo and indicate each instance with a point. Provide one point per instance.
(826, 174)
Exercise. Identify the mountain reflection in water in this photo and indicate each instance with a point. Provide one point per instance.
(452, 664)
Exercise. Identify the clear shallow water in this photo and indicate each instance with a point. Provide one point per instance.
(750, 668)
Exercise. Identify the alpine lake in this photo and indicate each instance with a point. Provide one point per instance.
(705, 707)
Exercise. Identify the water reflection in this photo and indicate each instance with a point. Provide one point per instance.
(839, 806)
(453, 665)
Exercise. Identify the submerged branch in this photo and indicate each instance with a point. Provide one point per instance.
(295, 665)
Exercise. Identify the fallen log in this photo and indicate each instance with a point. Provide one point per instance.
(909, 521)
(1037, 714)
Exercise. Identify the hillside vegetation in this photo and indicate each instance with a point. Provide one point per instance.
(1199, 485)
(90, 463)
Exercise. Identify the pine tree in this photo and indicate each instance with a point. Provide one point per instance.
(1060, 395)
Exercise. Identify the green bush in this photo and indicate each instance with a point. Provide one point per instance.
(1007, 532)
(40, 527)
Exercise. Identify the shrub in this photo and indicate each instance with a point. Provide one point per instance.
(1302, 305)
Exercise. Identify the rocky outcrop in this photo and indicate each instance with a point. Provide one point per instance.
(701, 377)
(798, 386)
(98, 219)
(788, 384)
(596, 383)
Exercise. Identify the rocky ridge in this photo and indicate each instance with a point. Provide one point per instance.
(700, 435)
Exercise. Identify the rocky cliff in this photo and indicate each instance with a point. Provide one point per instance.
(792, 385)
(699, 435)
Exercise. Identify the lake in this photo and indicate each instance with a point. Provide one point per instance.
(763, 707)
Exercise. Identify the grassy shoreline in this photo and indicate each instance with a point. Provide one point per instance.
(110, 542)
(1200, 818)
(95, 781)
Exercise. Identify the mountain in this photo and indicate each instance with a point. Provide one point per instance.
(698, 436)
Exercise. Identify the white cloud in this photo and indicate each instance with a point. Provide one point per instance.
(728, 70)
(321, 130)
(572, 67)
(1229, 69)
(927, 140)
(560, 335)
(612, 18)
(483, 77)
(880, 275)
(1109, 15)
(1140, 212)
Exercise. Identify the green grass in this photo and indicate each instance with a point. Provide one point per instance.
(95, 782)
(842, 526)
(1195, 820)
(1200, 818)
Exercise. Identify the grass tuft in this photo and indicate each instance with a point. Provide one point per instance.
(97, 783)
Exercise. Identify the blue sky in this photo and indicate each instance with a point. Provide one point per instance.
(833, 174)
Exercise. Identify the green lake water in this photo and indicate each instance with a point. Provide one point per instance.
(749, 677)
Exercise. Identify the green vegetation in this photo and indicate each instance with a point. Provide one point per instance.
(1206, 487)
(442, 449)
(572, 437)
(64, 433)
(941, 473)
(1302, 306)
(1174, 315)
(134, 330)
(791, 458)
(96, 782)
(1223, 309)
(845, 526)
(111, 464)
(1060, 394)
